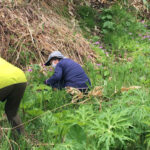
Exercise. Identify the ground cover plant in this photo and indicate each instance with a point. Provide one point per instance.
(117, 120)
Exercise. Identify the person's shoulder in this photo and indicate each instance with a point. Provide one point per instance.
(65, 60)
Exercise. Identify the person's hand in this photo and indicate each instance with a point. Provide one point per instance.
(45, 82)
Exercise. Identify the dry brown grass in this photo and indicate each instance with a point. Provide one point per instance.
(30, 32)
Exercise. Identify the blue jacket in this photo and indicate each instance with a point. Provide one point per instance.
(68, 73)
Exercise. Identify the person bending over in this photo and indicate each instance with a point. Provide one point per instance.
(67, 73)
(12, 87)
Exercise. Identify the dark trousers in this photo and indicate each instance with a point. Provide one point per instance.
(13, 95)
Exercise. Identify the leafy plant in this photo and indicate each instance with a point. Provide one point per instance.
(106, 21)
(110, 130)
(87, 16)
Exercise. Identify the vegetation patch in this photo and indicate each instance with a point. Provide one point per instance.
(28, 34)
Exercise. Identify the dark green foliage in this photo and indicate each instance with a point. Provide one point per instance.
(87, 19)
(87, 16)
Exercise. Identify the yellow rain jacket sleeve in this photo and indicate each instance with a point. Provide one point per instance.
(9, 74)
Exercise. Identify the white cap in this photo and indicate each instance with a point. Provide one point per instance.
(56, 54)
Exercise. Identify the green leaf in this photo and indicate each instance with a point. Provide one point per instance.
(106, 73)
(108, 24)
(42, 87)
(35, 112)
(76, 133)
(109, 17)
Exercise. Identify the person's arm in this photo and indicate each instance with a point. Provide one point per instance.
(56, 77)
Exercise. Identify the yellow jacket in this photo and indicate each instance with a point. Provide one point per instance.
(9, 74)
